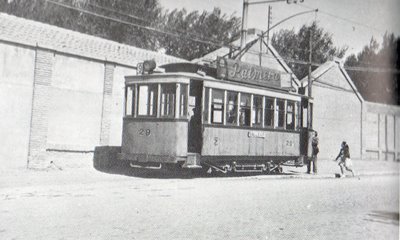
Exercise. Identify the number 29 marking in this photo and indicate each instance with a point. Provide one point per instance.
(144, 132)
(289, 143)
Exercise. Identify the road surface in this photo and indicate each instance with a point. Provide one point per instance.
(256, 207)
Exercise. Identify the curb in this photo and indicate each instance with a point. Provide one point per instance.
(325, 176)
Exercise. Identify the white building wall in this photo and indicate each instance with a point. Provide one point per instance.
(337, 115)
(16, 85)
(75, 109)
(382, 132)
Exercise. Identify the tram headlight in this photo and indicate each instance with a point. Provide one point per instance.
(149, 65)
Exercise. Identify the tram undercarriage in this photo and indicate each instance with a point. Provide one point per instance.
(106, 157)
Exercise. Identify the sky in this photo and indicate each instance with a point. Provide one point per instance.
(352, 23)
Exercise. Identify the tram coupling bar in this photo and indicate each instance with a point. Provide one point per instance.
(145, 166)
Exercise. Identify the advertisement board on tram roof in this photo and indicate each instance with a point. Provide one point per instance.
(233, 70)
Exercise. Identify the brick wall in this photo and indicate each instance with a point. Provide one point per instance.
(40, 108)
(107, 104)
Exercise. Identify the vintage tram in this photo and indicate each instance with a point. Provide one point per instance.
(231, 117)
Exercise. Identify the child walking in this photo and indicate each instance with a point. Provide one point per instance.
(345, 161)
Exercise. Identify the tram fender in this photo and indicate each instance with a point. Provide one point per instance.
(105, 157)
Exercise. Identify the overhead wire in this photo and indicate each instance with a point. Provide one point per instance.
(133, 24)
(139, 18)
(340, 18)
(287, 59)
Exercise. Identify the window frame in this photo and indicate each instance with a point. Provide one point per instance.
(257, 111)
(148, 105)
(221, 109)
(292, 126)
(167, 108)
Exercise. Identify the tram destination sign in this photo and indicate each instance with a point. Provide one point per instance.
(249, 73)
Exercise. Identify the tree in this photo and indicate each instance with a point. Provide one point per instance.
(295, 47)
(211, 29)
(182, 34)
(375, 70)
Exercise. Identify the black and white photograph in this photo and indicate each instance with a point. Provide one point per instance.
(199, 119)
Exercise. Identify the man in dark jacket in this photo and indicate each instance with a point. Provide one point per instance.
(345, 161)
(314, 158)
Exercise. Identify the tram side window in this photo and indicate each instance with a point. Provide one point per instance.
(217, 106)
(257, 110)
(280, 111)
(147, 100)
(297, 115)
(183, 101)
(304, 109)
(231, 105)
(130, 96)
(206, 103)
(244, 111)
(290, 115)
(311, 114)
(269, 112)
(167, 100)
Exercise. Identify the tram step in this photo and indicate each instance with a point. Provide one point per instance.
(192, 161)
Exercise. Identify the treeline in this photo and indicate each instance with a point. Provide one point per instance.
(376, 70)
(145, 24)
(141, 23)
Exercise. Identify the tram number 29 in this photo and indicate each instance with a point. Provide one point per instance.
(290, 143)
(144, 132)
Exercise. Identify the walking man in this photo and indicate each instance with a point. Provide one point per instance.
(315, 151)
(345, 161)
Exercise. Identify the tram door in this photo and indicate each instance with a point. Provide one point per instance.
(194, 132)
(306, 132)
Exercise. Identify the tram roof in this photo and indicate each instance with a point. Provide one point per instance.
(185, 77)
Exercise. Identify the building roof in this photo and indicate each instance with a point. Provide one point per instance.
(325, 68)
(36, 34)
(273, 59)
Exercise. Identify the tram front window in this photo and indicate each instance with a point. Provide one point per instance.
(147, 100)
(129, 95)
(244, 113)
(231, 111)
(183, 111)
(167, 100)
(217, 106)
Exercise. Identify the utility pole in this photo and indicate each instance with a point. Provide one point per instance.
(269, 23)
(246, 3)
(309, 78)
(243, 32)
